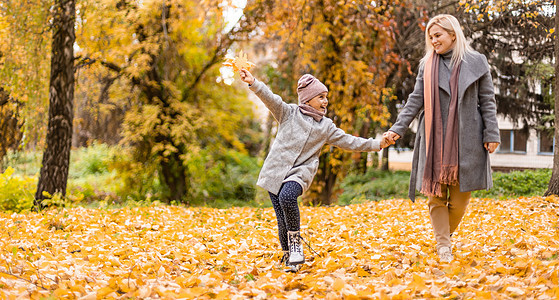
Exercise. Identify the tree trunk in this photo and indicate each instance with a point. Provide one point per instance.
(384, 162)
(393, 110)
(56, 158)
(361, 158)
(327, 194)
(324, 181)
(10, 125)
(553, 188)
(174, 178)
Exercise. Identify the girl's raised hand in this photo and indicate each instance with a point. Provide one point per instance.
(246, 76)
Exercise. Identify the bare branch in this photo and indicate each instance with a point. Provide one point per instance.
(27, 280)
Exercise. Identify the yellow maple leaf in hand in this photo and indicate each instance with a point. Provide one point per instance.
(239, 62)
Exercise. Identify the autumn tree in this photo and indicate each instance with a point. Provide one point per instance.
(163, 58)
(10, 124)
(56, 158)
(24, 71)
(488, 26)
(553, 188)
(515, 37)
(408, 23)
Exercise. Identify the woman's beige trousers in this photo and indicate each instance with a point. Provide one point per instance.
(446, 212)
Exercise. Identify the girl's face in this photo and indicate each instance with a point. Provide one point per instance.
(441, 39)
(319, 102)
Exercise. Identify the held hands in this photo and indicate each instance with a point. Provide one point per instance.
(389, 138)
(491, 146)
(384, 143)
(246, 76)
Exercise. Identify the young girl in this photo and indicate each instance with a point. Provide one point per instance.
(293, 158)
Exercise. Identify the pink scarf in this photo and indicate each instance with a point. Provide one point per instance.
(441, 166)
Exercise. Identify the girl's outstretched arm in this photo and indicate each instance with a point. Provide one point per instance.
(337, 137)
(279, 109)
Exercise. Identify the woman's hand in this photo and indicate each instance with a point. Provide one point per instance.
(246, 76)
(491, 146)
(388, 138)
(384, 143)
(391, 137)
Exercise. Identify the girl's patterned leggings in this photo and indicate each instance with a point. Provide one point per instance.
(287, 210)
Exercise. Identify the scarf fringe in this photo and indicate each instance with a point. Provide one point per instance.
(430, 188)
(449, 175)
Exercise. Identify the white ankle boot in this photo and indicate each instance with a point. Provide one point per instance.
(445, 254)
(296, 255)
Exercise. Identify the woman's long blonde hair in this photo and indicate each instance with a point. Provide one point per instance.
(451, 25)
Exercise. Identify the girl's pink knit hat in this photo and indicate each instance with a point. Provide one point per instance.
(309, 87)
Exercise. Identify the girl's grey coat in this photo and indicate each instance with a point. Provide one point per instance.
(293, 132)
(477, 124)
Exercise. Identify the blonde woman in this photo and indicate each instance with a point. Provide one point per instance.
(458, 127)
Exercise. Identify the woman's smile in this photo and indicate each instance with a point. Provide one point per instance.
(441, 40)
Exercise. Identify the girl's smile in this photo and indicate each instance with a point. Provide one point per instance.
(319, 102)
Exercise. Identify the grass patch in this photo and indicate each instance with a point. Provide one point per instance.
(526, 183)
(379, 185)
(374, 185)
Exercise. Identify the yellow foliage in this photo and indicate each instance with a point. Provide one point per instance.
(173, 252)
(25, 62)
(157, 67)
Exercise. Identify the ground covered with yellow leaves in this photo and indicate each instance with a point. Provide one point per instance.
(503, 249)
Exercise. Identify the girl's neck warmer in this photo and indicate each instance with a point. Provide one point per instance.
(311, 111)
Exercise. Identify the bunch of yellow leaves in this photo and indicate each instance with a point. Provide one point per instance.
(238, 62)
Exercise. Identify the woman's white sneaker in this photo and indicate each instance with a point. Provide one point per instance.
(445, 254)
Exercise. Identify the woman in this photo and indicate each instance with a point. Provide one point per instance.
(457, 129)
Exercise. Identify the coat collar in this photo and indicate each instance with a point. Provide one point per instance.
(473, 67)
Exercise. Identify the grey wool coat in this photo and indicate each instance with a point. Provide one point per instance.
(296, 148)
(477, 124)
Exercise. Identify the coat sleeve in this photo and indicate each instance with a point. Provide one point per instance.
(337, 137)
(413, 106)
(278, 108)
(488, 107)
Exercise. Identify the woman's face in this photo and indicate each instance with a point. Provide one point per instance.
(319, 102)
(441, 39)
